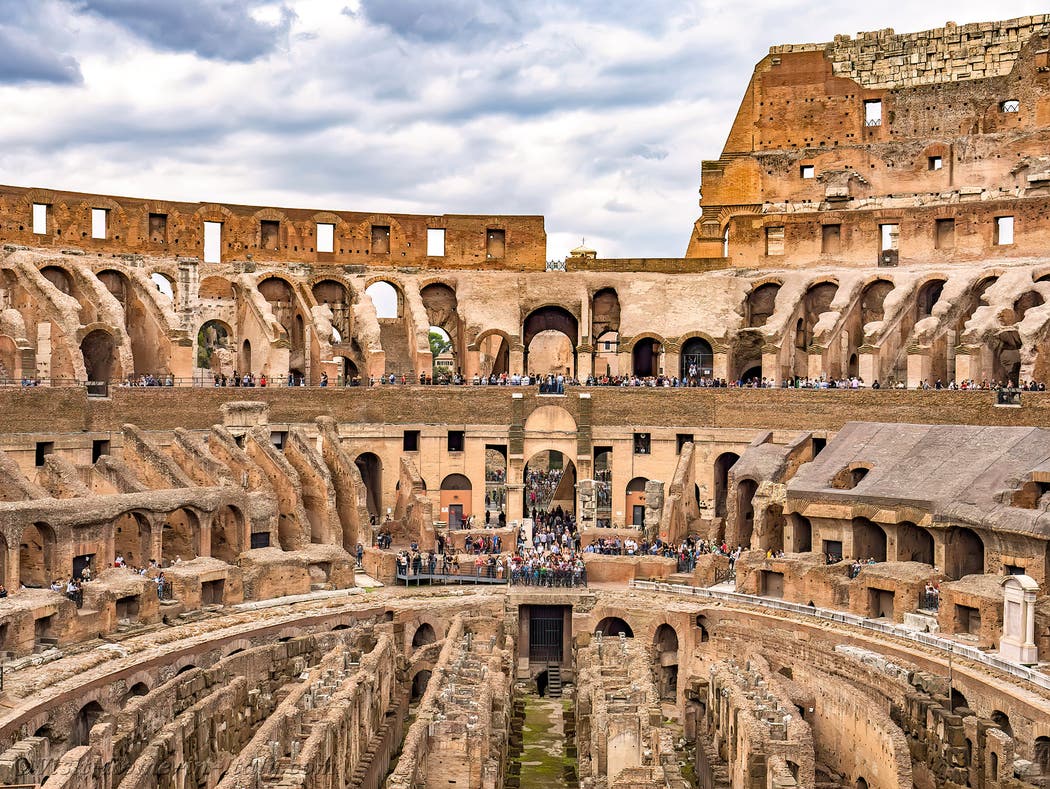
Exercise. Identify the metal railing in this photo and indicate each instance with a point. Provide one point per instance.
(945, 645)
(480, 575)
(544, 577)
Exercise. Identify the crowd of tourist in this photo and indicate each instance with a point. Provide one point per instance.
(540, 487)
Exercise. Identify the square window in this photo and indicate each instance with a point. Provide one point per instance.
(945, 236)
(1010, 105)
(270, 234)
(98, 222)
(380, 239)
(936, 162)
(325, 237)
(808, 171)
(40, 219)
(212, 242)
(889, 236)
(873, 112)
(158, 228)
(830, 239)
(410, 442)
(43, 449)
(456, 440)
(1004, 230)
(642, 443)
(496, 244)
(682, 439)
(99, 447)
(436, 242)
(775, 240)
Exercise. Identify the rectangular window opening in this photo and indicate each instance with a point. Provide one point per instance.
(682, 439)
(158, 228)
(808, 171)
(1010, 105)
(40, 219)
(889, 236)
(270, 234)
(775, 240)
(380, 239)
(1004, 230)
(873, 112)
(945, 236)
(831, 239)
(435, 242)
(410, 442)
(325, 237)
(496, 246)
(43, 449)
(642, 443)
(936, 162)
(98, 222)
(99, 447)
(456, 440)
(213, 242)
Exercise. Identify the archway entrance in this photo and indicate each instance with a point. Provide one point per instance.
(963, 554)
(85, 720)
(723, 463)
(697, 360)
(665, 642)
(550, 319)
(634, 503)
(226, 530)
(100, 362)
(131, 537)
(645, 357)
(180, 539)
(745, 511)
(495, 482)
(36, 556)
(550, 485)
(371, 468)
(456, 500)
(424, 635)
(494, 355)
(214, 352)
(612, 626)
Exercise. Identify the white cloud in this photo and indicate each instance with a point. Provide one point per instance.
(595, 113)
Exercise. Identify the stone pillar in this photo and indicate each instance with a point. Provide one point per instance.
(868, 363)
(815, 362)
(584, 361)
(771, 367)
(1018, 640)
(919, 367)
(654, 508)
(720, 363)
(204, 539)
(516, 364)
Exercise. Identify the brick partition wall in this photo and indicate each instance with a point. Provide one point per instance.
(45, 410)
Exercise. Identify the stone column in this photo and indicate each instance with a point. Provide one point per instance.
(919, 367)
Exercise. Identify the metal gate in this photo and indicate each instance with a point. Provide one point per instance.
(545, 633)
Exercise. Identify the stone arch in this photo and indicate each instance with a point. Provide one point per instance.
(563, 493)
(869, 540)
(85, 719)
(550, 419)
(387, 296)
(634, 502)
(37, 556)
(338, 297)
(117, 283)
(605, 312)
(723, 463)
(817, 299)
(761, 303)
(60, 278)
(963, 553)
(215, 346)
(1026, 301)
(801, 533)
(550, 318)
(914, 544)
(133, 539)
(371, 468)
(493, 347)
(927, 296)
(773, 528)
(697, 359)
(665, 646)
(456, 500)
(1002, 720)
(851, 476)
(703, 624)
(646, 354)
(745, 511)
(101, 362)
(612, 626)
(420, 680)
(227, 530)
(138, 689)
(424, 635)
(872, 298)
(181, 536)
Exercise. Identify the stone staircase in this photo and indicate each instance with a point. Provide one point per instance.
(394, 339)
(554, 680)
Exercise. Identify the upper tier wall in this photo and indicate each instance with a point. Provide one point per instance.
(157, 227)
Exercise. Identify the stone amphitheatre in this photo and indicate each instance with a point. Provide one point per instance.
(773, 573)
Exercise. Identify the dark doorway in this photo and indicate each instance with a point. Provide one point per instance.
(546, 623)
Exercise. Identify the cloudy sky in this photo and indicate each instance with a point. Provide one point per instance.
(595, 113)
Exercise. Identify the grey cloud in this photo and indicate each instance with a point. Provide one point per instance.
(450, 21)
(24, 57)
(214, 29)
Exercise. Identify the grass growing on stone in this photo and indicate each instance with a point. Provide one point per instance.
(543, 758)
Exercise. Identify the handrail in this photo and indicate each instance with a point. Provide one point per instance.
(926, 639)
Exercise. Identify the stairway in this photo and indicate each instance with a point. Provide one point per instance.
(394, 339)
(554, 680)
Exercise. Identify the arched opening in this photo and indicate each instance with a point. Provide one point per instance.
(634, 504)
(336, 297)
(646, 357)
(214, 347)
(958, 700)
(136, 690)
(180, 537)
(801, 533)
(927, 298)
(284, 305)
(914, 544)
(1042, 755)
(551, 353)
(85, 719)
(869, 540)
(424, 635)
(100, 362)
(550, 485)
(58, 277)
(245, 360)
(494, 355)
(751, 376)
(745, 511)
(704, 627)
(163, 285)
(698, 360)
(993, 766)
(550, 319)
(386, 299)
(817, 300)
(1006, 364)
(612, 626)
(441, 305)
(227, 528)
(419, 686)
(849, 477)
(603, 462)
(132, 539)
(605, 331)
(975, 300)
(665, 642)
(117, 284)
(371, 468)
(872, 299)
(761, 303)
(190, 666)
(1002, 720)
(723, 463)
(495, 481)
(443, 356)
(773, 529)
(1025, 302)
(456, 500)
(860, 784)
(963, 554)
(36, 557)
